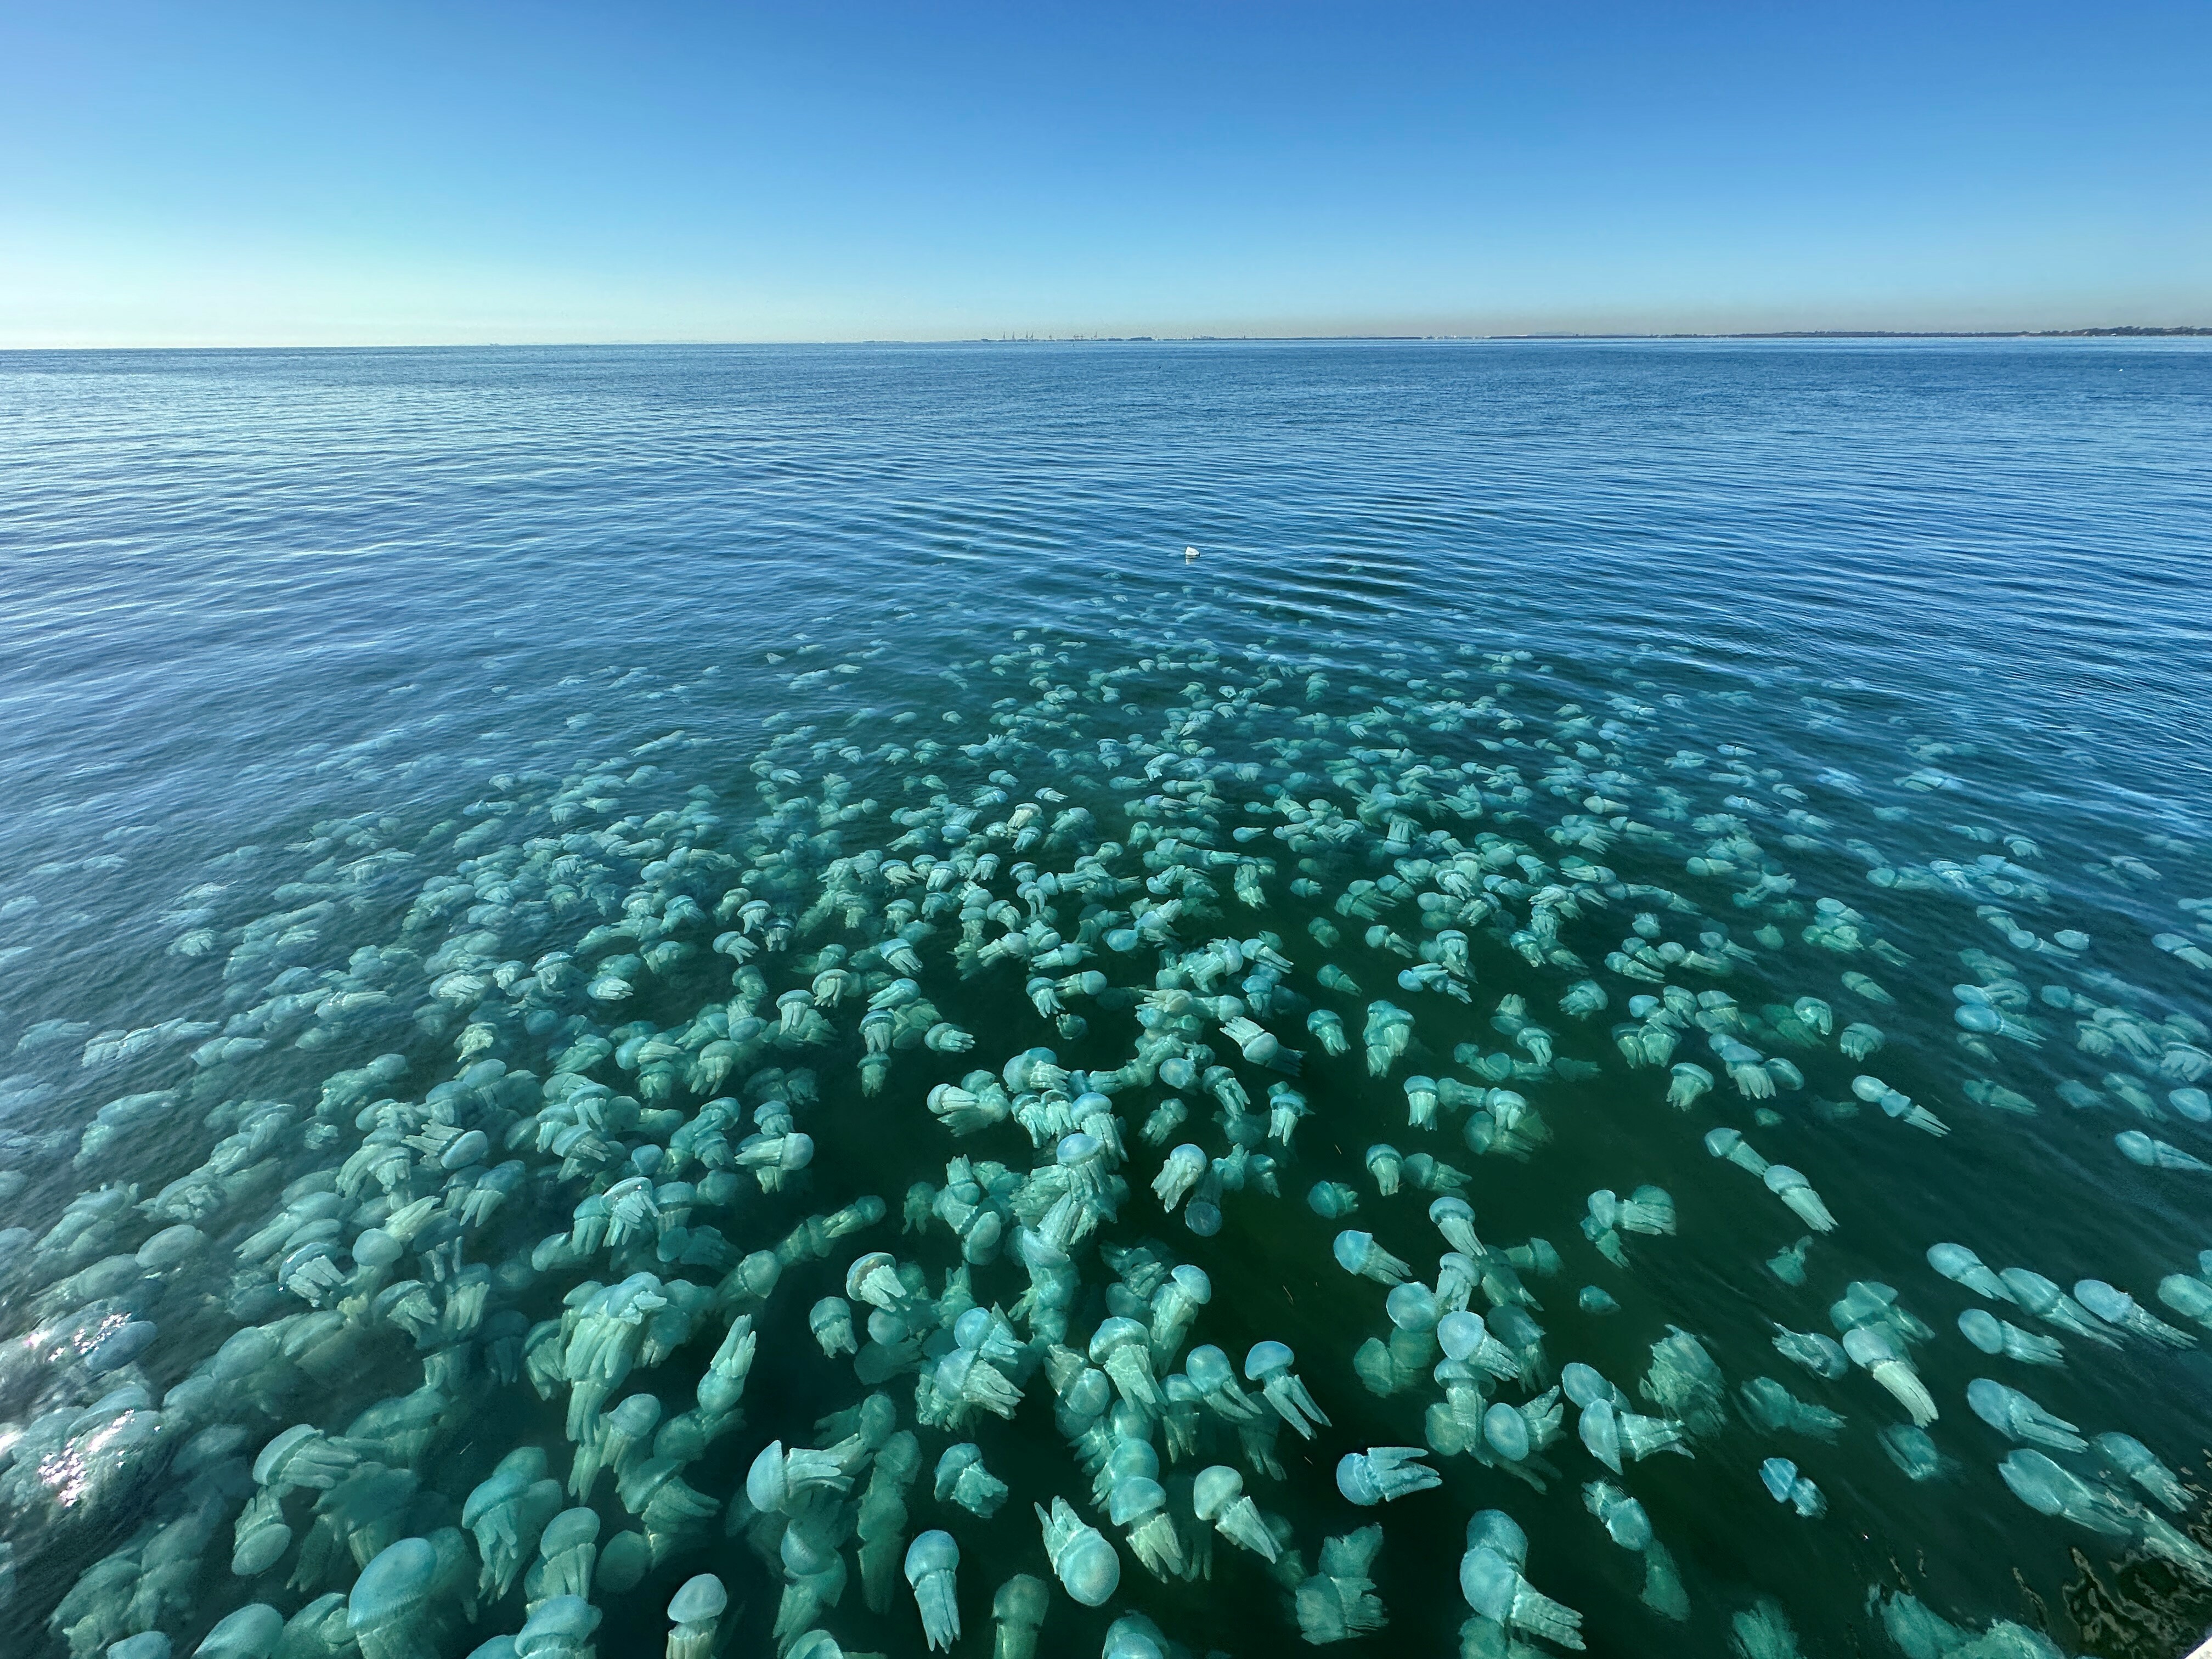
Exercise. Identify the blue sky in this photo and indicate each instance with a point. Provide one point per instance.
(336, 173)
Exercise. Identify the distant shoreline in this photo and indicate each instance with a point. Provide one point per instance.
(2127, 333)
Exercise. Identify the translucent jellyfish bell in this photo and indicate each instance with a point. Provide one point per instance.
(249, 1633)
(386, 1600)
(1507, 1432)
(1911, 1449)
(1412, 1307)
(693, 1611)
(1086, 1565)
(1981, 1328)
(374, 1247)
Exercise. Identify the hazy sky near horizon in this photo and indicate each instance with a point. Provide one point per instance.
(224, 173)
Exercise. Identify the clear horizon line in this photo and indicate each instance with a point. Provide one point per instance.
(2174, 331)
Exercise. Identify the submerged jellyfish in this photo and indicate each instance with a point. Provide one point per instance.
(1217, 1498)
(2131, 1458)
(1786, 1485)
(2139, 1148)
(1359, 1254)
(1958, 1263)
(1993, 1335)
(1018, 1609)
(2016, 1417)
(695, 1611)
(639, 1013)
(386, 1610)
(1269, 1365)
(1338, 1603)
(1083, 1562)
(1909, 1447)
(1871, 1349)
(1382, 1475)
(1491, 1579)
(2117, 1308)
(931, 1560)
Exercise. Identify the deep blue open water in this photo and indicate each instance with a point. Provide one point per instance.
(306, 635)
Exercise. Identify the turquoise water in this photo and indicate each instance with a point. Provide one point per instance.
(328, 637)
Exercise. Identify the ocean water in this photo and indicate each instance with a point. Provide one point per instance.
(298, 648)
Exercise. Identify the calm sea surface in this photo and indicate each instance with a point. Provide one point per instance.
(1947, 601)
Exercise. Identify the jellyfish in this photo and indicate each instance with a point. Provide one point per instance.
(1871, 1348)
(695, 1611)
(1491, 1579)
(2117, 1308)
(1269, 1363)
(931, 1561)
(1786, 1485)
(1339, 1603)
(1358, 1254)
(1083, 1562)
(1382, 1475)
(387, 1610)
(1993, 1335)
